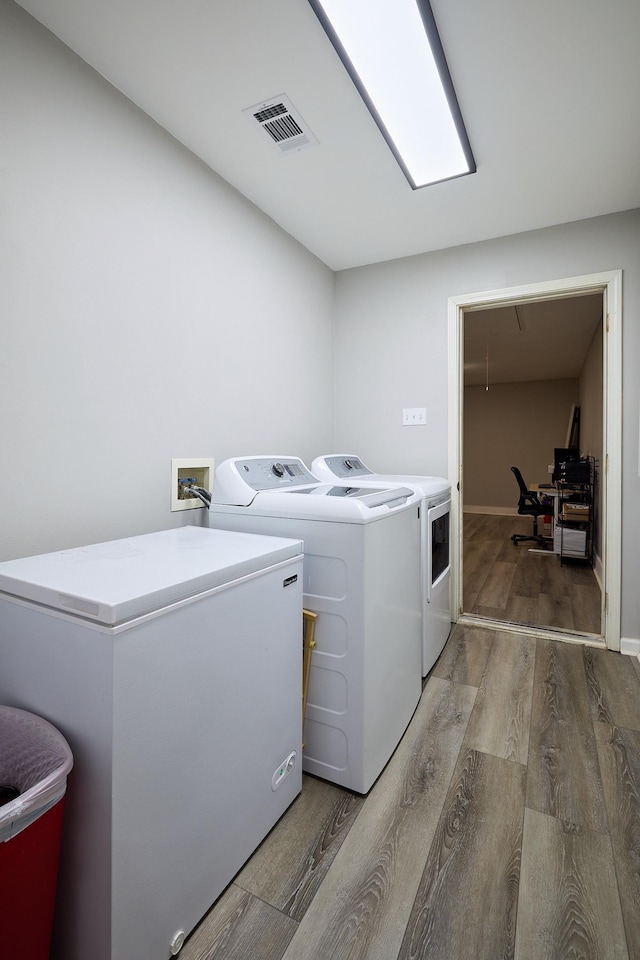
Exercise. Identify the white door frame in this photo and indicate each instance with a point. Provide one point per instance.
(610, 285)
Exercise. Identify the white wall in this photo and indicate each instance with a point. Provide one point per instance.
(391, 349)
(148, 311)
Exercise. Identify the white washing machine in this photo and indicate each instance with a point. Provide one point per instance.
(172, 664)
(435, 512)
(361, 576)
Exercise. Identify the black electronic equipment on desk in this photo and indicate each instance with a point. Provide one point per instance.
(561, 457)
(575, 471)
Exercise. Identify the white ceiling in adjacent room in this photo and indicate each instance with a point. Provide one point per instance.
(541, 340)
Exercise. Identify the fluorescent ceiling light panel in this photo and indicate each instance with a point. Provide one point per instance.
(393, 53)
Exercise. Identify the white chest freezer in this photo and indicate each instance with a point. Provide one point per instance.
(172, 663)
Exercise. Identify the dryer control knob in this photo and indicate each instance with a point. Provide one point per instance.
(278, 469)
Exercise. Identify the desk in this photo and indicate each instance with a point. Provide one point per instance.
(549, 490)
(572, 535)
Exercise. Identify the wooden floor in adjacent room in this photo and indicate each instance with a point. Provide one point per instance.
(507, 581)
(506, 825)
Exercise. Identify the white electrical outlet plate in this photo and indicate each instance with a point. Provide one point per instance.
(414, 416)
(200, 470)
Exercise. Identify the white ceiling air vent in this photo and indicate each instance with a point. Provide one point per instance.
(283, 124)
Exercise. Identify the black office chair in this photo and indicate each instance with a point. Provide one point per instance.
(530, 505)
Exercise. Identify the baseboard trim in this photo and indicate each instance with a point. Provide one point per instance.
(630, 646)
(493, 511)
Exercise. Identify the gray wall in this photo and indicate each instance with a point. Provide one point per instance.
(148, 311)
(391, 349)
(512, 424)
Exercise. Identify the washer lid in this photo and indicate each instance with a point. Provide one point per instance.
(323, 502)
(115, 581)
(283, 487)
(369, 496)
(425, 486)
(349, 467)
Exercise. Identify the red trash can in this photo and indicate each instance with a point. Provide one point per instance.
(34, 762)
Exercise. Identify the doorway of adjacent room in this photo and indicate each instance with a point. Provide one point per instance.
(531, 378)
(528, 369)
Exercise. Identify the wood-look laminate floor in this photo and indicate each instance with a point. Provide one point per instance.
(506, 581)
(506, 825)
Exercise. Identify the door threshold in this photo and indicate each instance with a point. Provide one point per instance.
(531, 630)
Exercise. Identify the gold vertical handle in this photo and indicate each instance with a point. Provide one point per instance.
(308, 643)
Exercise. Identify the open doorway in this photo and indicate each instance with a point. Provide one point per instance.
(533, 384)
(606, 287)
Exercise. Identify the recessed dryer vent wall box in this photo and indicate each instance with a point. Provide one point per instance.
(189, 470)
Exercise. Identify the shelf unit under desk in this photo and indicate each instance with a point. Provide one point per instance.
(573, 516)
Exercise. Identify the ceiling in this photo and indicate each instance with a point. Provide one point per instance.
(548, 91)
(542, 340)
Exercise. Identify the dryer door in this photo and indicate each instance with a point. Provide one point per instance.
(439, 546)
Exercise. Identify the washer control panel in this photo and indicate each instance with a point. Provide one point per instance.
(349, 466)
(238, 481)
(265, 473)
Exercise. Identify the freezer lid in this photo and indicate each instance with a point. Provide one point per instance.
(115, 581)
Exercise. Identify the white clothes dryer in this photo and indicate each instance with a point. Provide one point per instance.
(435, 554)
(361, 576)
